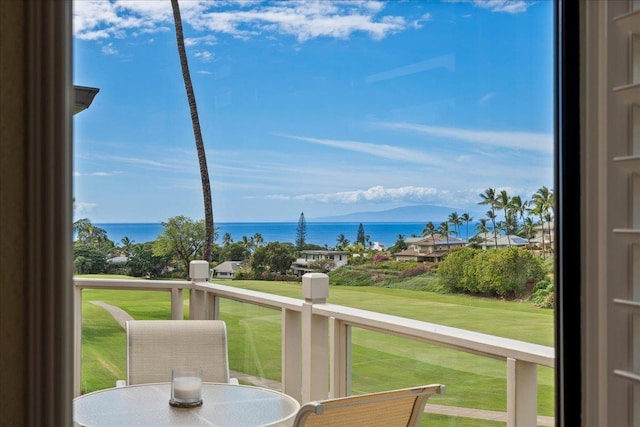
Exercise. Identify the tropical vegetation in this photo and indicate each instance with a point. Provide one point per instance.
(495, 273)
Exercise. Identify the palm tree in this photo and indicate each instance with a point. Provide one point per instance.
(482, 228)
(527, 230)
(519, 207)
(543, 201)
(430, 230)
(399, 245)
(489, 198)
(247, 243)
(258, 239)
(227, 239)
(455, 220)
(126, 245)
(502, 202)
(466, 219)
(445, 231)
(202, 159)
(342, 241)
(492, 217)
(537, 211)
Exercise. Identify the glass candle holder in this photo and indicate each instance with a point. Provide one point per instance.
(186, 387)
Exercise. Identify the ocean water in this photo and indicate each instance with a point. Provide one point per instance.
(319, 233)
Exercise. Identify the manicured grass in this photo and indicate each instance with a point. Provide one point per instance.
(379, 361)
(103, 348)
(445, 421)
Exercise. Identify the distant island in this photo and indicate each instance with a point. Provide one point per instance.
(419, 213)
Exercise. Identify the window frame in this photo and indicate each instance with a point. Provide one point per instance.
(49, 299)
(568, 214)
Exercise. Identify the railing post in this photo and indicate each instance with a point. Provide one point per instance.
(315, 338)
(77, 341)
(198, 272)
(291, 360)
(340, 359)
(522, 393)
(212, 306)
(177, 304)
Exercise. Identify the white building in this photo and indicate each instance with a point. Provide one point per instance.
(301, 265)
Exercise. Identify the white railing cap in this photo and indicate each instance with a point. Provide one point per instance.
(315, 287)
(199, 270)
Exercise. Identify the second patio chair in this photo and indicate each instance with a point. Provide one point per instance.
(402, 407)
(155, 347)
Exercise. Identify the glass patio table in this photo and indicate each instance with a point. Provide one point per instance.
(148, 405)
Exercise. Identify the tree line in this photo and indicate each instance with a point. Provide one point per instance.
(507, 215)
(183, 240)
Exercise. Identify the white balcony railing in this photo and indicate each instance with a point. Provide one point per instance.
(312, 370)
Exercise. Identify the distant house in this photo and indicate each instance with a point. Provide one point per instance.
(377, 246)
(503, 242)
(301, 265)
(411, 254)
(411, 241)
(226, 269)
(544, 234)
(428, 249)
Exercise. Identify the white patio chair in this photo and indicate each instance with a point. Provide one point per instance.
(155, 347)
(393, 408)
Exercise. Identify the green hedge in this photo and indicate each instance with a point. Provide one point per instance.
(503, 273)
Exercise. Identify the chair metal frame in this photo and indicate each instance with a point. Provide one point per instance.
(371, 409)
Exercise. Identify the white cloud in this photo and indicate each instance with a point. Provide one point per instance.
(485, 98)
(444, 61)
(406, 194)
(507, 6)
(208, 40)
(108, 49)
(417, 24)
(84, 207)
(517, 140)
(102, 19)
(98, 173)
(170, 166)
(94, 20)
(105, 173)
(204, 56)
(397, 196)
(378, 150)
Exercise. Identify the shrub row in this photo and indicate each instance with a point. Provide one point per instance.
(503, 273)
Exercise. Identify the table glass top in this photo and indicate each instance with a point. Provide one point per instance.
(148, 405)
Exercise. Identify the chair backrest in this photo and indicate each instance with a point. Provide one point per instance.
(402, 407)
(155, 347)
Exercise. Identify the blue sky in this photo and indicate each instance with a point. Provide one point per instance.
(320, 107)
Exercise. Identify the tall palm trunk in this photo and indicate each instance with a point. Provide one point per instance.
(202, 158)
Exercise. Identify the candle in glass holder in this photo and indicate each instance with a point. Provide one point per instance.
(186, 387)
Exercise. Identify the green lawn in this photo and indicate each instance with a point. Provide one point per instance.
(379, 361)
